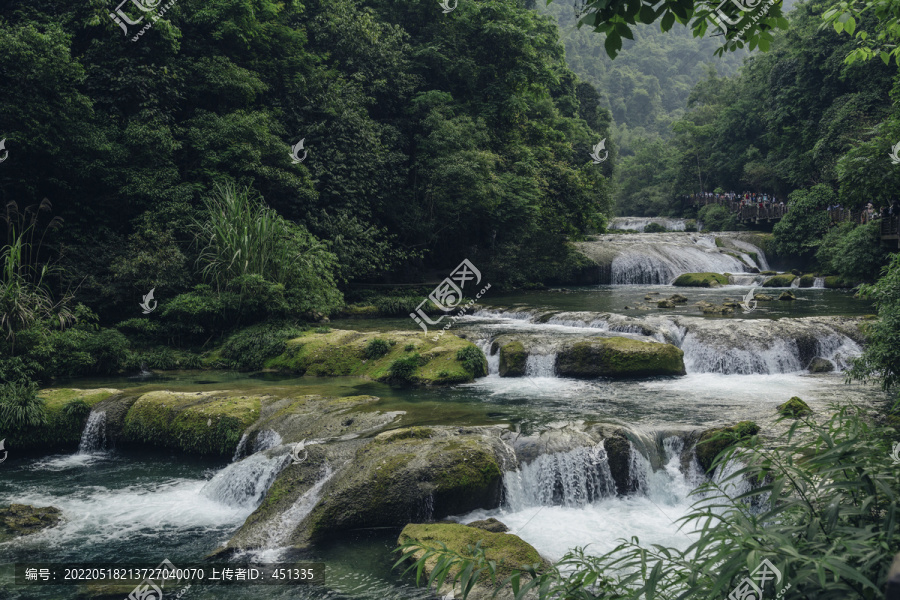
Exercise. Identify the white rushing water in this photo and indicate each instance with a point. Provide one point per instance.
(285, 524)
(819, 282)
(640, 223)
(565, 500)
(265, 440)
(93, 438)
(540, 365)
(244, 483)
(662, 264)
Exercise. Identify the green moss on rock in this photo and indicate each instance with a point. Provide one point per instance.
(783, 280)
(714, 441)
(794, 408)
(619, 357)
(341, 352)
(836, 282)
(508, 550)
(701, 280)
(22, 519)
(200, 422)
(512, 359)
(807, 281)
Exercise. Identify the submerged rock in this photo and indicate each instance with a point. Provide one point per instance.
(789, 296)
(678, 298)
(714, 441)
(821, 365)
(619, 357)
(701, 280)
(512, 359)
(507, 550)
(763, 297)
(491, 524)
(665, 304)
(708, 308)
(794, 408)
(23, 519)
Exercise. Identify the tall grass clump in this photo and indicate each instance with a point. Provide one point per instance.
(822, 507)
(20, 406)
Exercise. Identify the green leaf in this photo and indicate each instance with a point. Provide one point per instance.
(667, 21)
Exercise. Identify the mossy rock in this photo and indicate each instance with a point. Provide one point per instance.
(199, 422)
(678, 299)
(783, 280)
(66, 411)
(509, 551)
(512, 359)
(768, 272)
(836, 282)
(763, 297)
(618, 454)
(787, 296)
(708, 308)
(794, 408)
(665, 303)
(17, 520)
(342, 352)
(490, 524)
(619, 357)
(398, 477)
(701, 280)
(807, 281)
(714, 441)
(820, 365)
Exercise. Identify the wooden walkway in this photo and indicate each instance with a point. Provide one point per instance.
(768, 212)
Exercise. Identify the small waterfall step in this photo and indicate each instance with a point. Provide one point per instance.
(244, 483)
(93, 437)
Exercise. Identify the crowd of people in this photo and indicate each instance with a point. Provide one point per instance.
(868, 214)
(760, 200)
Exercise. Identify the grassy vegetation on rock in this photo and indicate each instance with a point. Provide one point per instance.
(714, 441)
(783, 280)
(65, 412)
(619, 357)
(701, 280)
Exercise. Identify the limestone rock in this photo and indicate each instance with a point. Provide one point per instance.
(619, 357)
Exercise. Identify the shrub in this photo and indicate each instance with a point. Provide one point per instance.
(853, 252)
(402, 369)
(20, 406)
(716, 218)
(376, 348)
(473, 360)
(802, 229)
(654, 228)
(397, 305)
(322, 329)
(409, 347)
(249, 348)
(76, 409)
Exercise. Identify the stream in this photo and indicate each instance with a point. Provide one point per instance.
(141, 507)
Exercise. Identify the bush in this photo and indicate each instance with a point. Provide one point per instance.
(881, 357)
(397, 305)
(473, 360)
(402, 369)
(802, 229)
(853, 252)
(716, 217)
(76, 409)
(655, 228)
(376, 348)
(249, 348)
(20, 406)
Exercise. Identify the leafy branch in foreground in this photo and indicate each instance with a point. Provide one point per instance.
(819, 502)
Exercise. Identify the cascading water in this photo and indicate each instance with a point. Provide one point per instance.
(287, 522)
(819, 282)
(540, 365)
(266, 439)
(573, 478)
(244, 483)
(493, 362)
(93, 438)
(241, 449)
(640, 223)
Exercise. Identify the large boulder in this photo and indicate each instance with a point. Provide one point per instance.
(394, 357)
(512, 359)
(509, 551)
(490, 524)
(619, 357)
(794, 408)
(23, 519)
(701, 280)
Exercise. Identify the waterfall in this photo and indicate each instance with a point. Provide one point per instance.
(266, 439)
(795, 283)
(540, 365)
(571, 478)
(639, 223)
(780, 356)
(93, 438)
(241, 449)
(819, 282)
(287, 522)
(746, 279)
(244, 483)
(493, 362)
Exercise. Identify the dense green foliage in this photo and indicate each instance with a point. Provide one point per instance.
(881, 359)
(827, 522)
(20, 406)
(716, 218)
